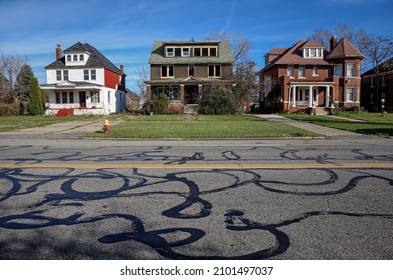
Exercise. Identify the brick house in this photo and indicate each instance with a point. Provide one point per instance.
(370, 99)
(182, 70)
(133, 101)
(84, 82)
(308, 76)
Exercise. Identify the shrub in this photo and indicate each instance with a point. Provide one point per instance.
(160, 104)
(217, 101)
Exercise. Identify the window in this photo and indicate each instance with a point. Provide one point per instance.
(64, 97)
(68, 57)
(167, 71)
(65, 75)
(197, 52)
(185, 52)
(302, 73)
(338, 70)
(268, 85)
(71, 97)
(205, 52)
(170, 52)
(372, 98)
(58, 75)
(313, 53)
(86, 75)
(95, 97)
(383, 80)
(350, 70)
(191, 70)
(109, 97)
(75, 57)
(214, 71)
(350, 94)
(93, 74)
(315, 70)
(81, 57)
(58, 98)
(372, 81)
(290, 70)
(177, 51)
(213, 52)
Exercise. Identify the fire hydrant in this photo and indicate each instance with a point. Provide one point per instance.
(105, 127)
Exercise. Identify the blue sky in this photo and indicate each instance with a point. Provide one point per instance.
(124, 30)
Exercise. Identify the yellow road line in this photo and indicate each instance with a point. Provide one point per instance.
(198, 166)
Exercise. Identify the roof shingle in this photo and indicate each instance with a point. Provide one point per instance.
(96, 59)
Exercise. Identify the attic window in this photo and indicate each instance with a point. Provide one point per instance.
(213, 52)
(313, 53)
(186, 52)
(170, 52)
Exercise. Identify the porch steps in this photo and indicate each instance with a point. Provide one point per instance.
(321, 111)
(65, 112)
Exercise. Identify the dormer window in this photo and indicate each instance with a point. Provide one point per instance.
(185, 52)
(313, 53)
(170, 52)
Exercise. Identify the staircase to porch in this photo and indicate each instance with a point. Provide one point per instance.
(65, 112)
(321, 111)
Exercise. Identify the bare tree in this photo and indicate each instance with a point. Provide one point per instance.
(322, 36)
(244, 66)
(379, 50)
(142, 78)
(10, 67)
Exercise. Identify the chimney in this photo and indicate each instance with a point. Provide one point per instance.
(333, 42)
(58, 52)
(122, 68)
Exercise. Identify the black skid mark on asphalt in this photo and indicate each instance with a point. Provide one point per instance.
(365, 156)
(70, 194)
(193, 200)
(333, 178)
(293, 155)
(197, 156)
(231, 155)
(8, 175)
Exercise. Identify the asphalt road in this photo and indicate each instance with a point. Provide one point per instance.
(262, 199)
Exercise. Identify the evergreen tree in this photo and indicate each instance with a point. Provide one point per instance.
(22, 85)
(35, 99)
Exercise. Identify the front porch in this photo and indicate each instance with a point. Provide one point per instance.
(303, 95)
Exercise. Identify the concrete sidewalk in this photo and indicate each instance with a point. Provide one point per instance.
(326, 131)
(65, 130)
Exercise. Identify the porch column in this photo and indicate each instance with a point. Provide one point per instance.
(310, 97)
(294, 96)
(327, 96)
(182, 93)
(200, 87)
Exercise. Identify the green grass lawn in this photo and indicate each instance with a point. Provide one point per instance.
(206, 126)
(373, 123)
(10, 123)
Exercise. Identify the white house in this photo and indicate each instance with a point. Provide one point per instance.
(84, 81)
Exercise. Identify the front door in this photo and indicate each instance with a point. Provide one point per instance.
(191, 94)
(82, 99)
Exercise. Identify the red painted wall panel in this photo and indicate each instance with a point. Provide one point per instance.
(113, 79)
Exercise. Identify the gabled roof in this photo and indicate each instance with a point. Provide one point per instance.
(312, 44)
(96, 59)
(344, 48)
(294, 55)
(132, 94)
(384, 67)
(157, 55)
